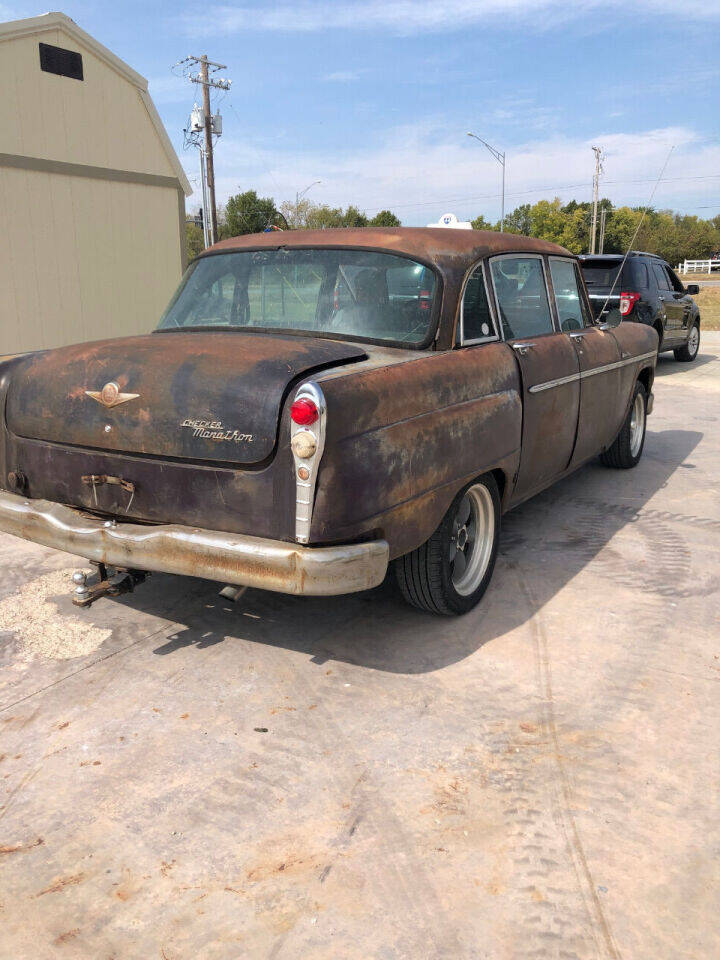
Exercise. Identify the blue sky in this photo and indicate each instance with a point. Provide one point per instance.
(374, 97)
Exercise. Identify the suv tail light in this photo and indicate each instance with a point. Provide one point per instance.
(627, 303)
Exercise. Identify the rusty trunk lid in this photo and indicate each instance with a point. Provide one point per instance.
(208, 396)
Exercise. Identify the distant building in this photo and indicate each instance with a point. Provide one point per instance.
(451, 221)
(91, 190)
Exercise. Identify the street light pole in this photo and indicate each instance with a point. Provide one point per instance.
(299, 196)
(500, 157)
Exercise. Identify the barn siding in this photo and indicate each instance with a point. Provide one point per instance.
(90, 258)
(84, 254)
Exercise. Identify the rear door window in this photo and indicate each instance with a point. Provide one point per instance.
(521, 296)
(569, 302)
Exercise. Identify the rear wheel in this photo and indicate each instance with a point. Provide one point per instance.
(688, 352)
(628, 446)
(450, 572)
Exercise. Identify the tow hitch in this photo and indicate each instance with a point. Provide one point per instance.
(111, 582)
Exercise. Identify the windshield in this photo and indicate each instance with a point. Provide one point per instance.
(348, 293)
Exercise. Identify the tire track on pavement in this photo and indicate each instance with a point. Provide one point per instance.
(586, 884)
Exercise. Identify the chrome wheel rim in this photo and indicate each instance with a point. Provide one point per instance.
(471, 539)
(637, 425)
(694, 341)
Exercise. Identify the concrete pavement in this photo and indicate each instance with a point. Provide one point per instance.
(349, 778)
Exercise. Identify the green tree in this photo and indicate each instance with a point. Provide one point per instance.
(354, 218)
(480, 223)
(194, 240)
(249, 213)
(385, 218)
(325, 218)
(518, 221)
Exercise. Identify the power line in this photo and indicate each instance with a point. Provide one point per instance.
(524, 193)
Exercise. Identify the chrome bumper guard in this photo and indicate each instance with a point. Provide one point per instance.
(189, 551)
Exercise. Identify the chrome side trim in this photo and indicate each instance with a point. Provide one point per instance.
(189, 551)
(549, 384)
(305, 489)
(584, 374)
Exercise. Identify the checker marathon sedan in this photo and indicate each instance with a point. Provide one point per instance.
(319, 409)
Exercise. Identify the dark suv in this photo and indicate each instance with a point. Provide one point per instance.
(649, 292)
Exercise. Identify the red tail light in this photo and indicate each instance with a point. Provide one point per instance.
(304, 412)
(424, 298)
(627, 302)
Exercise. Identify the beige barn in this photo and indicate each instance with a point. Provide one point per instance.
(92, 194)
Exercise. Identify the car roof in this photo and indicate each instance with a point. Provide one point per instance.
(445, 247)
(618, 256)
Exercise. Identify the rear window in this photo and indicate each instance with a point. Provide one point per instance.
(341, 292)
(600, 273)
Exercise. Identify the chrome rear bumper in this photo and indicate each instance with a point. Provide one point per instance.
(190, 551)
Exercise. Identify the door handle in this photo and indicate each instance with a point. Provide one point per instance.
(522, 348)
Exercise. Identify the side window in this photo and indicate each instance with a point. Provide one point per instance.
(521, 296)
(568, 300)
(476, 324)
(674, 282)
(640, 275)
(661, 278)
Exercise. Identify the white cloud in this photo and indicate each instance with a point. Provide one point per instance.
(342, 76)
(423, 16)
(172, 89)
(424, 170)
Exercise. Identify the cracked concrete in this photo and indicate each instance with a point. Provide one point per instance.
(349, 778)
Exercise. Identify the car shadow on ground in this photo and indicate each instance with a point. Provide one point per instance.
(545, 543)
(667, 365)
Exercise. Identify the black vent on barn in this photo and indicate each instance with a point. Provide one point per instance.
(65, 63)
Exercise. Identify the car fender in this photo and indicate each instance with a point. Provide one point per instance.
(403, 439)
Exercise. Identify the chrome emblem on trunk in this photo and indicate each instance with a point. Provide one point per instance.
(110, 395)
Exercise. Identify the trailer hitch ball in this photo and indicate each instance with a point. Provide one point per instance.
(109, 583)
(82, 590)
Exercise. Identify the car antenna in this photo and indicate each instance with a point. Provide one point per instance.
(637, 230)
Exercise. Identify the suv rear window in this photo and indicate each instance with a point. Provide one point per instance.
(601, 273)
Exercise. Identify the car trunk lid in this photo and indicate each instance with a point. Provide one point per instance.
(208, 396)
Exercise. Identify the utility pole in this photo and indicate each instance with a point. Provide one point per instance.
(603, 218)
(596, 189)
(212, 125)
(209, 161)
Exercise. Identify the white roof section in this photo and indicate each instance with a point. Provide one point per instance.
(56, 20)
(450, 221)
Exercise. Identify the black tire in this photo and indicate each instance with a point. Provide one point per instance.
(425, 576)
(689, 350)
(625, 452)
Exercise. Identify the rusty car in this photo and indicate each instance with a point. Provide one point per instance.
(318, 408)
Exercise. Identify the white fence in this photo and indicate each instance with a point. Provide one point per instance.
(699, 266)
